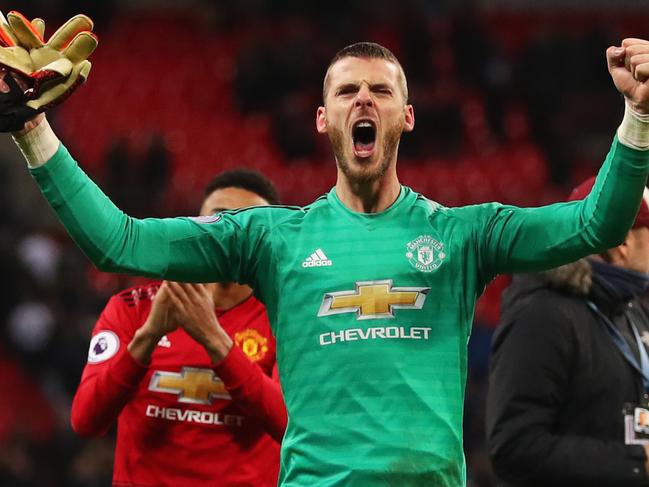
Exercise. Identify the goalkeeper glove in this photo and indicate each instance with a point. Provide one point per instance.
(52, 70)
(13, 112)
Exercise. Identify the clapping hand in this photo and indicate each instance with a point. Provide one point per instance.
(193, 308)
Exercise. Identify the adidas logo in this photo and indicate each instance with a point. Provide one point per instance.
(164, 342)
(317, 259)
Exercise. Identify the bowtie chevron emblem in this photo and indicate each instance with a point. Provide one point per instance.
(373, 300)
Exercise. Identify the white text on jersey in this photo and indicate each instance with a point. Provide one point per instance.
(317, 259)
(374, 333)
(191, 416)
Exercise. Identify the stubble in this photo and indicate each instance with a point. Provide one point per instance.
(356, 171)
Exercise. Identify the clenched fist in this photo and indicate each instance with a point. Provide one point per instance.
(629, 68)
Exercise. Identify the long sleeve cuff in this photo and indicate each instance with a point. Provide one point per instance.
(257, 394)
(54, 177)
(235, 369)
(636, 160)
(634, 129)
(38, 145)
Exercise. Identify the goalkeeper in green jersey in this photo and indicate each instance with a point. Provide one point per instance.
(371, 289)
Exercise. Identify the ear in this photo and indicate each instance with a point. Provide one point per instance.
(321, 120)
(409, 124)
(620, 254)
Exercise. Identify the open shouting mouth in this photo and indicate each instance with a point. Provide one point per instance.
(364, 138)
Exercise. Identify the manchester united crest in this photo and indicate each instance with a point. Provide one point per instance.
(425, 253)
(253, 344)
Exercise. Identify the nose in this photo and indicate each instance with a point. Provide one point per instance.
(363, 98)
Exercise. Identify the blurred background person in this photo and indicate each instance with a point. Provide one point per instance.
(185, 370)
(569, 381)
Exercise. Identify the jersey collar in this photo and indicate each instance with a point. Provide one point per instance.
(371, 220)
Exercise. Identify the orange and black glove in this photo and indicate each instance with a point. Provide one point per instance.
(50, 70)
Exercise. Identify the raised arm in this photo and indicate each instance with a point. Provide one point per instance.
(527, 239)
(184, 249)
(531, 239)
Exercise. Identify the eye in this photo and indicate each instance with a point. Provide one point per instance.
(347, 90)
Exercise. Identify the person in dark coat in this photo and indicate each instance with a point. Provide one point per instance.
(566, 404)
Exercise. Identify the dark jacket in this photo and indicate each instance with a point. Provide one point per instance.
(558, 385)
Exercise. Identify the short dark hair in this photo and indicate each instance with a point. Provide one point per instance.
(247, 179)
(370, 50)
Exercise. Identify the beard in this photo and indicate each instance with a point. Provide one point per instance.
(359, 172)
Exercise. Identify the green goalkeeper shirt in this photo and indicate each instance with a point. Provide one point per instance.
(372, 312)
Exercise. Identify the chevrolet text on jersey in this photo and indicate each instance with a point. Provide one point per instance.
(375, 332)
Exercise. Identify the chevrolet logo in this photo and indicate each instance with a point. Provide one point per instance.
(373, 299)
(192, 385)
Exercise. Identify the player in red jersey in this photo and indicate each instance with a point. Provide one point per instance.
(194, 392)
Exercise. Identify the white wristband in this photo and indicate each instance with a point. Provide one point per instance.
(38, 145)
(634, 129)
